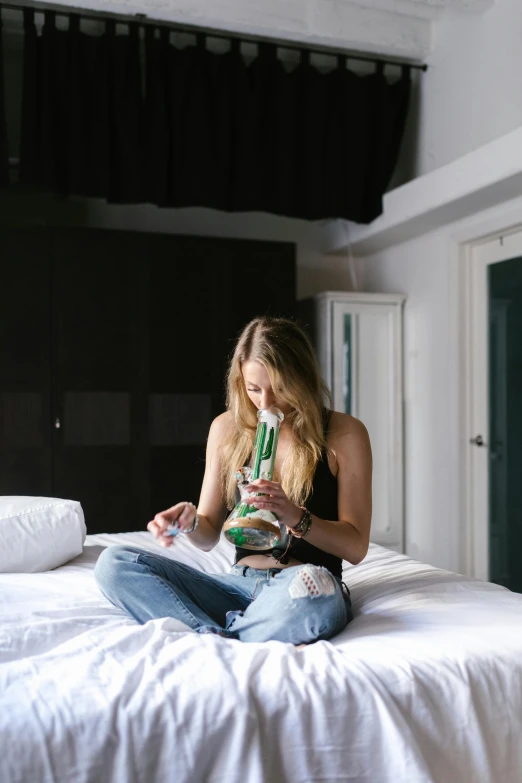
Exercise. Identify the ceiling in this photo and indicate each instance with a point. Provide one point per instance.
(397, 28)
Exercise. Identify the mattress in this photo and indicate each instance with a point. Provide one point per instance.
(424, 686)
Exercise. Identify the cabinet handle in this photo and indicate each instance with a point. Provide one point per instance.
(57, 423)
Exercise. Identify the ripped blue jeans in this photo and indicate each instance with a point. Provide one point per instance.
(300, 604)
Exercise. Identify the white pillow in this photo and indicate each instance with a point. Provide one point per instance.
(37, 534)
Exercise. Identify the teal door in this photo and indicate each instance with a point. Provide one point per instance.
(505, 417)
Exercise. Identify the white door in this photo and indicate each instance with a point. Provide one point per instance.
(495, 409)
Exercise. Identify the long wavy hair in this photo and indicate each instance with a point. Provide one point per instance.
(286, 353)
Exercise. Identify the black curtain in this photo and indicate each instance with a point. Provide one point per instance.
(4, 155)
(132, 118)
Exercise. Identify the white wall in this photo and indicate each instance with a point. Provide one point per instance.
(420, 269)
(472, 92)
(348, 24)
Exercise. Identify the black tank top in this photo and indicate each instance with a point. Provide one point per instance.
(322, 502)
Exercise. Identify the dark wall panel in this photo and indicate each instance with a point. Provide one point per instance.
(99, 456)
(123, 339)
(25, 372)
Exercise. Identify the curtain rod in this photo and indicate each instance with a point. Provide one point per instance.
(144, 20)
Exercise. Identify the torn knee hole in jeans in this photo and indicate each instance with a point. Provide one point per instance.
(311, 582)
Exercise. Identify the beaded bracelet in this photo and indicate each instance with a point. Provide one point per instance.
(303, 526)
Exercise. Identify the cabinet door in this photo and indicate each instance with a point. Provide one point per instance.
(202, 292)
(25, 378)
(185, 350)
(366, 382)
(99, 377)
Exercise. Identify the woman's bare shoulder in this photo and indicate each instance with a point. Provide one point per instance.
(343, 428)
(218, 433)
(221, 425)
(224, 419)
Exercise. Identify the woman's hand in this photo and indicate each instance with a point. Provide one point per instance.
(274, 499)
(183, 513)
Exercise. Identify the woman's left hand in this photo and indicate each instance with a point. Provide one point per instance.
(274, 499)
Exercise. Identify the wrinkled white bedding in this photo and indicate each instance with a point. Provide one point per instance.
(424, 686)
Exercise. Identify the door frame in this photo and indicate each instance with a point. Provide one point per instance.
(474, 395)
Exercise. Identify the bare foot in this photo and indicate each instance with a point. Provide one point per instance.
(300, 646)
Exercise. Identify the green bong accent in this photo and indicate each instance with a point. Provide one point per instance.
(236, 535)
(268, 453)
(260, 457)
(258, 448)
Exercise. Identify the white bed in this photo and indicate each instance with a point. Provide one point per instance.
(424, 685)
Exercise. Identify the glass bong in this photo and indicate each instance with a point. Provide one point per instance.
(249, 527)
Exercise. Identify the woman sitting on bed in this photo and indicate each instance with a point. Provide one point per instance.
(323, 465)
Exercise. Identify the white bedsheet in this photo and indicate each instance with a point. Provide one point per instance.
(424, 686)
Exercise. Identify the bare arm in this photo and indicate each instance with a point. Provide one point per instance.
(211, 510)
(347, 537)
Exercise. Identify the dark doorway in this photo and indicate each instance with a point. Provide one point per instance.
(505, 384)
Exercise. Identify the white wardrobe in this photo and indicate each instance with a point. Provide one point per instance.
(358, 338)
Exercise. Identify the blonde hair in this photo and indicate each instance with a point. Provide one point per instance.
(286, 353)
